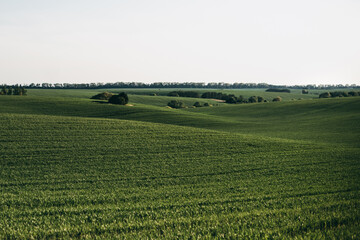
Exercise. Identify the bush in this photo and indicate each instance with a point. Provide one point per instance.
(121, 99)
(325, 95)
(102, 96)
(252, 99)
(305, 91)
(176, 104)
(277, 99)
(197, 104)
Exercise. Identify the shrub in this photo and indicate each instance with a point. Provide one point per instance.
(197, 104)
(102, 96)
(260, 99)
(252, 99)
(176, 104)
(325, 95)
(121, 99)
(277, 99)
(305, 91)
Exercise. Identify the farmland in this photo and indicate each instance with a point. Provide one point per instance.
(75, 168)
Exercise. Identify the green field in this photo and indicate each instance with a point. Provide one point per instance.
(72, 167)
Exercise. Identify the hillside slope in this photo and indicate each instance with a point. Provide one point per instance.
(82, 177)
(319, 120)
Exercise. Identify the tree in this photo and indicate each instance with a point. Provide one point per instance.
(3, 91)
(121, 98)
(23, 91)
(10, 91)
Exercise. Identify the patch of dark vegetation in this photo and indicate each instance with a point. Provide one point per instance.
(198, 104)
(285, 90)
(277, 99)
(305, 91)
(121, 99)
(339, 94)
(5, 90)
(176, 104)
(191, 94)
(102, 96)
(232, 99)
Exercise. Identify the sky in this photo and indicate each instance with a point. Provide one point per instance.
(260, 41)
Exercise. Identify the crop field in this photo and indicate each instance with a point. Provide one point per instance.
(72, 167)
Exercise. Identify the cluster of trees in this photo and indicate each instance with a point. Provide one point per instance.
(176, 104)
(213, 85)
(339, 94)
(6, 90)
(102, 96)
(180, 104)
(278, 90)
(121, 98)
(198, 104)
(228, 98)
(231, 98)
(191, 94)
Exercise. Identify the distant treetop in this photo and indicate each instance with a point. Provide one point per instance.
(212, 85)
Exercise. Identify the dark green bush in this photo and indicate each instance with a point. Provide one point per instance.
(277, 99)
(103, 96)
(176, 104)
(325, 95)
(121, 98)
(197, 104)
(305, 91)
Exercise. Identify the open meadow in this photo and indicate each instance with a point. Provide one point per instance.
(72, 167)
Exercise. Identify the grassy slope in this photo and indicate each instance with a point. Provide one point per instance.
(81, 177)
(329, 119)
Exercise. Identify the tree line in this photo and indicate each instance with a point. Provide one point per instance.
(212, 85)
(339, 94)
(8, 90)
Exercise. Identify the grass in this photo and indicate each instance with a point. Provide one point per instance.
(73, 168)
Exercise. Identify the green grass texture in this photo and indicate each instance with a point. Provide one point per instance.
(73, 168)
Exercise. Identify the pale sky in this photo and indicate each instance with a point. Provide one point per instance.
(277, 42)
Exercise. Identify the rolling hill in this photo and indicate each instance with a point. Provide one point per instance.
(74, 168)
